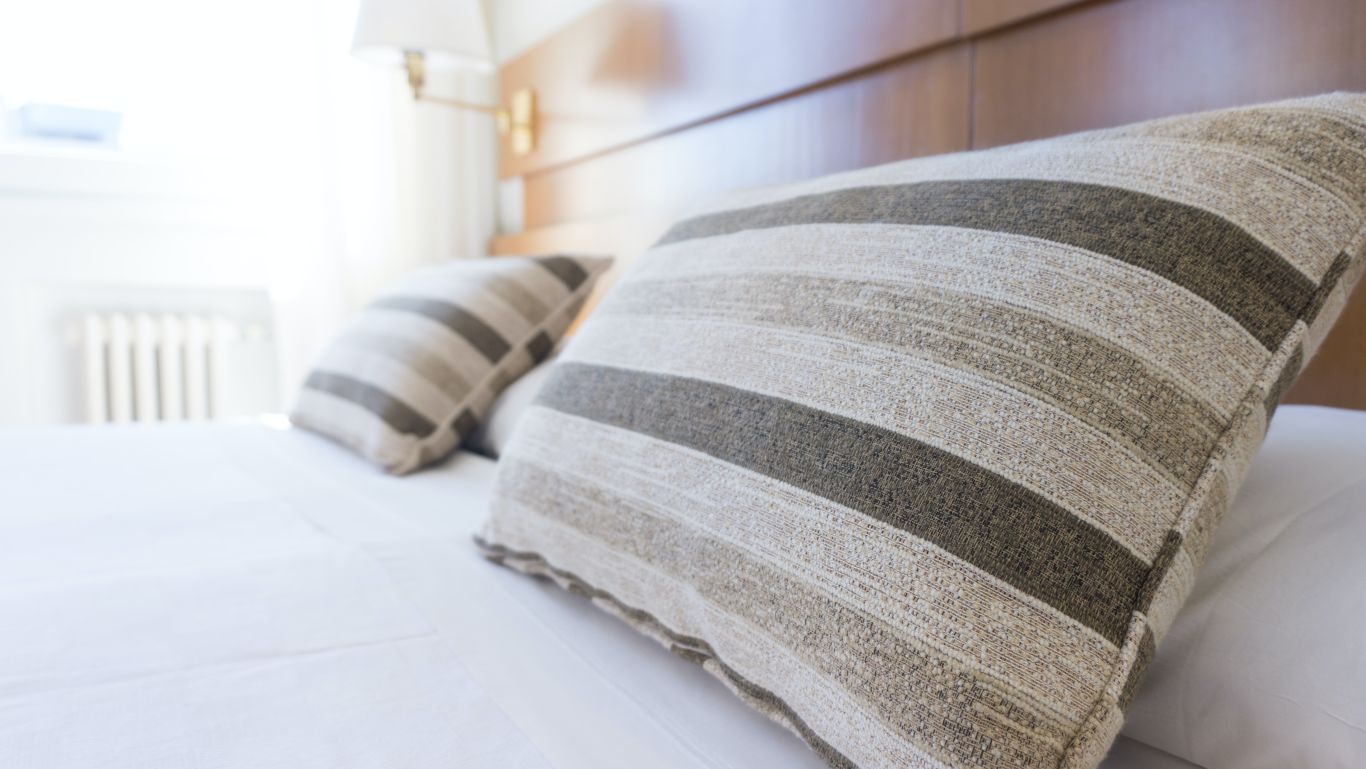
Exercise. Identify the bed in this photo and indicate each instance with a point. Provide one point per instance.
(254, 595)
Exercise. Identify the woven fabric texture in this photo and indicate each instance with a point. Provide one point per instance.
(414, 373)
(920, 460)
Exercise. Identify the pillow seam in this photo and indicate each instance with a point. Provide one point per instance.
(1090, 734)
(413, 460)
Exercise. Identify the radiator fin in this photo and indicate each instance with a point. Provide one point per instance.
(151, 369)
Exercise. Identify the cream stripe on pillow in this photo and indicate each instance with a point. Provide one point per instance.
(921, 460)
(414, 373)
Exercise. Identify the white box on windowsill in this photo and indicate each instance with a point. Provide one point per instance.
(57, 121)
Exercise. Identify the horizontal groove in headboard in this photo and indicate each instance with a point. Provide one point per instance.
(916, 106)
(985, 15)
(650, 104)
(1110, 63)
(630, 69)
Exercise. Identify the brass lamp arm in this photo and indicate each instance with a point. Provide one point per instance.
(522, 128)
(487, 108)
(500, 114)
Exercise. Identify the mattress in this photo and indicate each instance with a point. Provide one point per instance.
(234, 596)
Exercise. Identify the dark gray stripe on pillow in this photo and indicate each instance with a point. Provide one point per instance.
(452, 328)
(488, 342)
(999, 526)
(540, 346)
(464, 423)
(392, 411)
(567, 270)
(793, 612)
(893, 640)
(1093, 379)
(688, 647)
(1209, 256)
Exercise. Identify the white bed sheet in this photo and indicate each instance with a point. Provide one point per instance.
(178, 597)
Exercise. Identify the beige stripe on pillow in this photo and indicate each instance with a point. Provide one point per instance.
(414, 373)
(921, 460)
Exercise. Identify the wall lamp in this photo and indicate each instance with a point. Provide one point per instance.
(423, 35)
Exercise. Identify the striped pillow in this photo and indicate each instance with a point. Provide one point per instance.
(413, 374)
(920, 460)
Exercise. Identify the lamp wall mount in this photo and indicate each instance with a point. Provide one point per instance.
(517, 120)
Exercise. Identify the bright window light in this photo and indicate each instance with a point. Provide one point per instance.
(189, 77)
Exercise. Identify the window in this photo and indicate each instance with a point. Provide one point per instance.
(178, 77)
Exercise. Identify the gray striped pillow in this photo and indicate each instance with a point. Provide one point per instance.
(920, 460)
(413, 374)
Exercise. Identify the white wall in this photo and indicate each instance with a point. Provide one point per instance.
(516, 25)
(77, 225)
(270, 161)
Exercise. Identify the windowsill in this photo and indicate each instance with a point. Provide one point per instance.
(71, 169)
(59, 149)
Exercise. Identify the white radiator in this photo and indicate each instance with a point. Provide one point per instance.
(154, 368)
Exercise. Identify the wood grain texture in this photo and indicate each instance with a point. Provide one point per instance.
(982, 15)
(636, 68)
(1107, 64)
(1337, 374)
(914, 107)
(649, 105)
(1111, 63)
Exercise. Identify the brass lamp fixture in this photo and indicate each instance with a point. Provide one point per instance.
(517, 120)
(441, 34)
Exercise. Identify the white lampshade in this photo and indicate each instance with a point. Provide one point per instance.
(449, 33)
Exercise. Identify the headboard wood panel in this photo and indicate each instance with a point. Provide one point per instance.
(634, 69)
(916, 106)
(1107, 64)
(984, 15)
(650, 104)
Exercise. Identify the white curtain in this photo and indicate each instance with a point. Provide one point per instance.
(264, 97)
(398, 183)
(314, 172)
(319, 160)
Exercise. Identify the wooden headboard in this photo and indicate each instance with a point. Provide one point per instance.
(645, 105)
